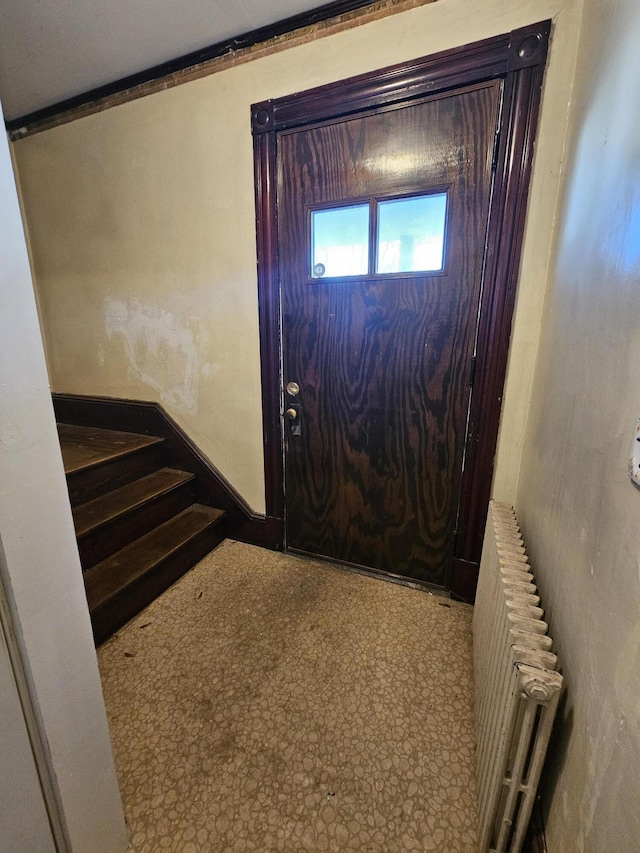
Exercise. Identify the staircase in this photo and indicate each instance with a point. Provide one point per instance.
(137, 522)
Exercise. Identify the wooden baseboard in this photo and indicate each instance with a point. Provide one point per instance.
(149, 418)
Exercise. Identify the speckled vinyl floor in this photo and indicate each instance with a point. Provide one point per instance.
(275, 704)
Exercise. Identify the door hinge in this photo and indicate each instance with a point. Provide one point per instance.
(472, 372)
(496, 152)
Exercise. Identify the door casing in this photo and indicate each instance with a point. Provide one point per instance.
(519, 59)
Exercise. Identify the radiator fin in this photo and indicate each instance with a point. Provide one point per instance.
(517, 686)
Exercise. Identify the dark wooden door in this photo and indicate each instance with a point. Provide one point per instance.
(374, 456)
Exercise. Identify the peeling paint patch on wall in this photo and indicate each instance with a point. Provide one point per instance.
(161, 350)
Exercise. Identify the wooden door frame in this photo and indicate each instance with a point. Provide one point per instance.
(518, 58)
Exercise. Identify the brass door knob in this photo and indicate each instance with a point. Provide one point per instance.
(292, 414)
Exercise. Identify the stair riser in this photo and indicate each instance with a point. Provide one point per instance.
(111, 616)
(116, 534)
(91, 483)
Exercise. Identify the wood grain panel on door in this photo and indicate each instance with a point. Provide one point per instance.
(374, 463)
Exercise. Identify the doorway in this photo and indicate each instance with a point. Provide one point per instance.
(390, 218)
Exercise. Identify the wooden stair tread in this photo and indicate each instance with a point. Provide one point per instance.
(112, 576)
(113, 505)
(87, 447)
(137, 526)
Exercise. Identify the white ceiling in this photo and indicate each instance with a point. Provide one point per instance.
(51, 50)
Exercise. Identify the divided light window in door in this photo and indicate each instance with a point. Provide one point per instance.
(379, 237)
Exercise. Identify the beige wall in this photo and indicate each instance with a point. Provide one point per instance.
(579, 509)
(141, 221)
(42, 599)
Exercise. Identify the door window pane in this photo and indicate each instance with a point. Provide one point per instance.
(411, 234)
(340, 241)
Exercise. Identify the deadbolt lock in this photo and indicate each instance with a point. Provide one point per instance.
(293, 389)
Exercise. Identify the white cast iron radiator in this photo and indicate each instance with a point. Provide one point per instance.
(517, 688)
